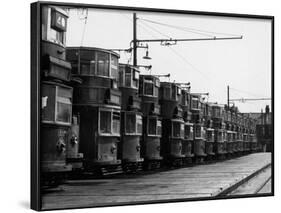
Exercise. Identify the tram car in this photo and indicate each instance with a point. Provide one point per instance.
(219, 128)
(172, 122)
(234, 130)
(149, 86)
(197, 109)
(210, 132)
(239, 137)
(188, 141)
(229, 133)
(97, 100)
(57, 124)
(129, 150)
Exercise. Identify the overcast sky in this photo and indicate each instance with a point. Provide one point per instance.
(243, 64)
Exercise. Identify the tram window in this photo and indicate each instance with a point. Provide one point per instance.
(135, 84)
(128, 79)
(166, 93)
(228, 136)
(174, 92)
(152, 122)
(135, 81)
(187, 131)
(74, 68)
(85, 68)
(130, 123)
(114, 66)
(102, 64)
(64, 110)
(56, 36)
(136, 75)
(198, 131)
(157, 82)
(64, 105)
(139, 124)
(156, 89)
(48, 102)
(210, 135)
(178, 90)
(176, 129)
(148, 87)
(105, 122)
(116, 123)
(159, 128)
(195, 103)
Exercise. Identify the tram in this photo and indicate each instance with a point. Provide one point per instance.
(173, 123)
(97, 100)
(129, 150)
(197, 109)
(187, 142)
(59, 135)
(149, 86)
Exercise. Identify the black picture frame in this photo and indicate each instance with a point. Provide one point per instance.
(36, 93)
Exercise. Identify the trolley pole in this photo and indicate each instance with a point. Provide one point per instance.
(228, 96)
(135, 39)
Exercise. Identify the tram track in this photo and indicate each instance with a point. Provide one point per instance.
(258, 182)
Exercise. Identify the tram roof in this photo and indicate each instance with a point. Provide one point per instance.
(93, 49)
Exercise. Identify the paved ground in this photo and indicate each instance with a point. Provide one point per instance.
(191, 182)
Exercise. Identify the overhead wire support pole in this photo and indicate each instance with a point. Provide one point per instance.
(228, 96)
(135, 39)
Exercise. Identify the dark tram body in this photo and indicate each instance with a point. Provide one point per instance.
(173, 123)
(59, 131)
(129, 150)
(219, 130)
(188, 141)
(97, 100)
(198, 112)
(210, 132)
(149, 86)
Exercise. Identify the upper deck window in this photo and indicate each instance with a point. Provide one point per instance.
(194, 103)
(114, 66)
(148, 87)
(103, 64)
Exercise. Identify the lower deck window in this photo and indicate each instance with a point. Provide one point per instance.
(139, 124)
(152, 126)
(220, 137)
(188, 132)
(198, 131)
(105, 122)
(133, 123)
(130, 123)
(64, 111)
(178, 129)
(210, 135)
(116, 123)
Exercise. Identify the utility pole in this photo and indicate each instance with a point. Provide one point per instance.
(228, 96)
(135, 39)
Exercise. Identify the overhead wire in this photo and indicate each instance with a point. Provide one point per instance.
(177, 53)
(198, 31)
